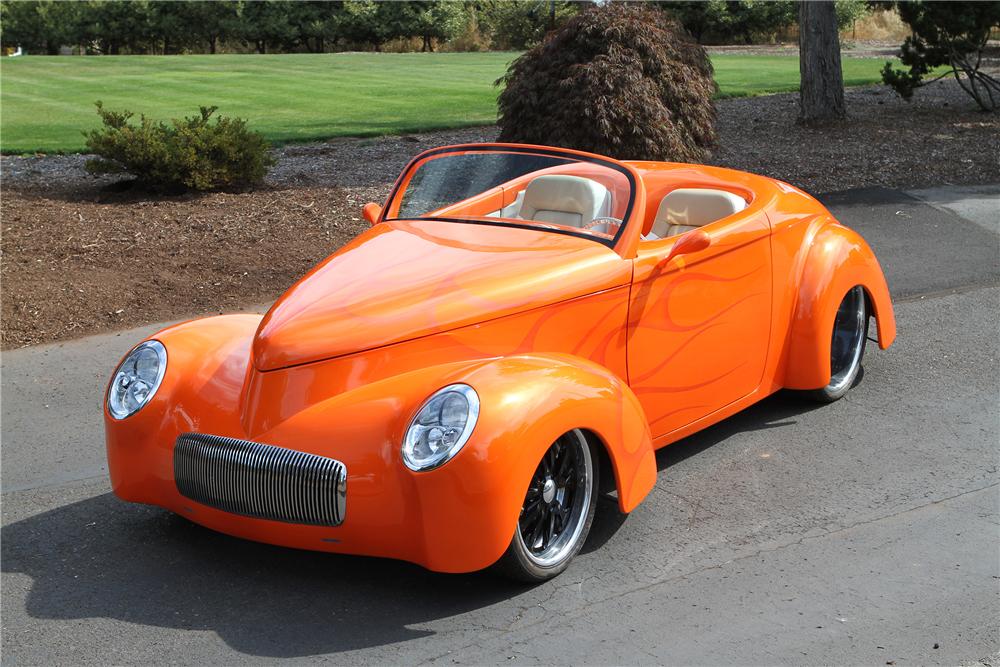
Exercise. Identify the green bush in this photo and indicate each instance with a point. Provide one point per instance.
(188, 154)
(952, 35)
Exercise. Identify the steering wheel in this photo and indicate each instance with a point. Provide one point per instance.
(604, 225)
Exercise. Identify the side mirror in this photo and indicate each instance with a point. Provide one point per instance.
(693, 241)
(371, 212)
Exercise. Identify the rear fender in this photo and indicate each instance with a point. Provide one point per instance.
(838, 259)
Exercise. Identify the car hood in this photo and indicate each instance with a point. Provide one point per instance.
(406, 279)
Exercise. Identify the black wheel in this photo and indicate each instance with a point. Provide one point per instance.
(847, 347)
(557, 512)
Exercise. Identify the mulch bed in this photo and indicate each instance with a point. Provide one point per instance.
(80, 256)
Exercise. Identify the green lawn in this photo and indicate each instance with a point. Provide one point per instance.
(45, 102)
(745, 76)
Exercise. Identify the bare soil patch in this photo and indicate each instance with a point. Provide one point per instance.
(79, 257)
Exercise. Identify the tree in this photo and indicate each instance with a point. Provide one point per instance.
(440, 20)
(698, 18)
(362, 23)
(312, 24)
(169, 25)
(849, 11)
(114, 26)
(750, 19)
(266, 22)
(730, 21)
(424, 19)
(952, 35)
(398, 20)
(39, 26)
(747, 21)
(821, 91)
(520, 24)
(213, 21)
(618, 79)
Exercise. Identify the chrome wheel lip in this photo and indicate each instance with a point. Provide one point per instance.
(849, 322)
(563, 547)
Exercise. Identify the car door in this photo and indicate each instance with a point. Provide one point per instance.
(699, 321)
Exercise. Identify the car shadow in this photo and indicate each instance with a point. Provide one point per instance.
(101, 557)
(104, 558)
(775, 411)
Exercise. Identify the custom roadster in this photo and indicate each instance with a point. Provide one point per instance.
(518, 331)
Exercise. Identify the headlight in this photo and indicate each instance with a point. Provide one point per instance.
(442, 425)
(137, 379)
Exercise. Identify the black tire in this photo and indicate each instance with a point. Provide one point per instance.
(847, 346)
(557, 512)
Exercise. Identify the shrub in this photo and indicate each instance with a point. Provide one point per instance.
(619, 80)
(192, 153)
(952, 35)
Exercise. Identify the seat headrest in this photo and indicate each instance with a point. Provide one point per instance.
(694, 207)
(565, 200)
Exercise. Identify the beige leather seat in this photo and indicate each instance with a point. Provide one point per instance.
(565, 200)
(685, 209)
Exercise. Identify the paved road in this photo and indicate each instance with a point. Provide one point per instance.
(861, 532)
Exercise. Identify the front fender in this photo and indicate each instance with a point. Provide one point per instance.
(531, 400)
(837, 260)
(207, 363)
(464, 513)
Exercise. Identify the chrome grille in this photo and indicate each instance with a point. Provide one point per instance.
(260, 481)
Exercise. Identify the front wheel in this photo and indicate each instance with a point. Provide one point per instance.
(557, 512)
(847, 347)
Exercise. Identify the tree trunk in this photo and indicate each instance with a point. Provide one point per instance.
(821, 93)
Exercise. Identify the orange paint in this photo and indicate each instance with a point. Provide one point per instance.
(632, 340)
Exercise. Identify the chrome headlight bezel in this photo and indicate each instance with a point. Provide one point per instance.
(438, 459)
(114, 408)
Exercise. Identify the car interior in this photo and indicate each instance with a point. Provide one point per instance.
(684, 209)
(580, 196)
(565, 200)
(562, 199)
(575, 201)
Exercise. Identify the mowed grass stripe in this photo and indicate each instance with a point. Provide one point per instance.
(276, 100)
(47, 102)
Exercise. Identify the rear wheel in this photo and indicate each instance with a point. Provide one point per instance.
(847, 347)
(557, 512)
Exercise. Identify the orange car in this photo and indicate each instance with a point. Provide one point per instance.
(520, 329)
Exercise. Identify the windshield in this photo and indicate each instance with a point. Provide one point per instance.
(530, 188)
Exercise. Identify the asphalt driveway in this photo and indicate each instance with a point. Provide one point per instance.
(861, 532)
